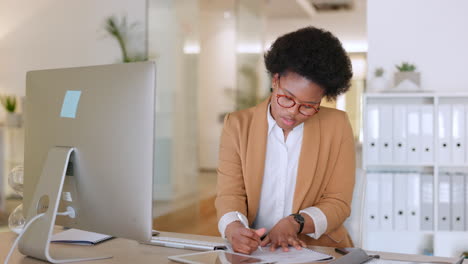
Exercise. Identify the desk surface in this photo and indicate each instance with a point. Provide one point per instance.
(129, 251)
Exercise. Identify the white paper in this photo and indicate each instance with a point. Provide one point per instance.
(303, 255)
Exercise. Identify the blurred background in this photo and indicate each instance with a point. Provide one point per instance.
(209, 57)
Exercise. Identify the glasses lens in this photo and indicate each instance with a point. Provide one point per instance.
(285, 101)
(305, 110)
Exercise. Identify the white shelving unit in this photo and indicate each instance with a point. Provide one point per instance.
(438, 242)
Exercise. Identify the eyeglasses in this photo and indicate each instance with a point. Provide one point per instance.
(286, 101)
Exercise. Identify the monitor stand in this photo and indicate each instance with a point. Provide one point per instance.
(36, 239)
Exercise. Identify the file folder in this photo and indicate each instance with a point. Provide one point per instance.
(458, 133)
(373, 120)
(386, 201)
(458, 202)
(372, 201)
(414, 201)
(427, 130)
(399, 134)
(414, 133)
(444, 202)
(427, 202)
(400, 193)
(445, 133)
(466, 202)
(385, 134)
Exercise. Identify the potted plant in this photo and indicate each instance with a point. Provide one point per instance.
(13, 119)
(378, 82)
(406, 78)
(121, 31)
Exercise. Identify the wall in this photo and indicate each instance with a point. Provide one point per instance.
(430, 33)
(44, 34)
(348, 26)
(53, 33)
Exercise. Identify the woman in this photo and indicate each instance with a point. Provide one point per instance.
(286, 166)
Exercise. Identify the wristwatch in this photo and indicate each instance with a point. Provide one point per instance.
(300, 220)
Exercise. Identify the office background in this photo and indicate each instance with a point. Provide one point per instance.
(209, 62)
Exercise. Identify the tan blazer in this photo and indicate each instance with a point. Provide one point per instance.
(325, 174)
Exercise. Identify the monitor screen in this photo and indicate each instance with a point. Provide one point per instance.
(106, 113)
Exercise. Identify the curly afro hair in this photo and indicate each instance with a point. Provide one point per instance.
(316, 55)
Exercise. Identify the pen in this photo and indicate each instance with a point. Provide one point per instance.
(241, 219)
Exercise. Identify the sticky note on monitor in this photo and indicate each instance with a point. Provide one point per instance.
(70, 104)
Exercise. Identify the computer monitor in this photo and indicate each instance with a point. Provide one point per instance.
(104, 117)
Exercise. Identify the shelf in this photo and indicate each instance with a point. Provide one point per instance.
(401, 165)
(453, 165)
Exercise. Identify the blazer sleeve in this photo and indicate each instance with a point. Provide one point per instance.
(231, 194)
(335, 202)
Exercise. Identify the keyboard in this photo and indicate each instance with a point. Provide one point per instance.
(185, 243)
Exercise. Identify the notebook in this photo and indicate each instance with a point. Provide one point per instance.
(79, 237)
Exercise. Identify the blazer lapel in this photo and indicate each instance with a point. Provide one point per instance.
(255, 158)
(307, 161)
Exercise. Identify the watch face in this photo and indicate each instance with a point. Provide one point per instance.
(299, 218)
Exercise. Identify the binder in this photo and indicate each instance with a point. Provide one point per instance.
(414, 133)
(385, 134)
(458, 202)
(427, 202)
(400, 193)
(386, 201)
(444, 202)
(458, 133)
(372, 201)
(466, 136)
(399, 134)
(414, 201)
(466, 202)
(372, 134)
(445, 133)
(427, 130)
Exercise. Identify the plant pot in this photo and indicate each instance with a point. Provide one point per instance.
(13, 120)
(378, 84)
(407, 80)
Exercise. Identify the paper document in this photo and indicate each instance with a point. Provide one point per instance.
(303, 255)
(79, 237)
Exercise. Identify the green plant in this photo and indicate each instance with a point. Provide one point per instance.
(379, 72)
(120, 30)
(406, 67)
(9, 102)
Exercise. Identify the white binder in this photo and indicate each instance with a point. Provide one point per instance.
(372, 124)
(399, 134)
(386, 201)
(400, 193)
(414, 133)
(458, 202)
(444, 202)
(445, 133)
(458, 134)
(466, 139)
(427, 130)
(385, 133)
(466, 202)
(427, 202)
(414, 201)
(372, 201)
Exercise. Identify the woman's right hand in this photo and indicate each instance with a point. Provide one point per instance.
(242, 239)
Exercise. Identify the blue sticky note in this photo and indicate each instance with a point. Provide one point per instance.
(70, 104)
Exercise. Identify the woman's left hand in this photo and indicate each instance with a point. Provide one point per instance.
(284, 234)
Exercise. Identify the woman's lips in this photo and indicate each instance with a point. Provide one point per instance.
(288, 122)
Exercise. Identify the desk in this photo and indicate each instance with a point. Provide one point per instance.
(129, 251)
